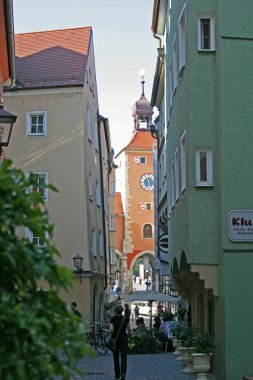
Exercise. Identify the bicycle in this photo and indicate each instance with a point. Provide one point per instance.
(97, 337)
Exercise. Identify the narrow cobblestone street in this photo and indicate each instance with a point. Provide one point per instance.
(162, 366)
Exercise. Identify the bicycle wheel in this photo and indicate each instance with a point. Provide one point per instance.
(101, 345)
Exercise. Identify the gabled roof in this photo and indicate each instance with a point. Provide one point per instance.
(141, 140)
(52, 58)
(118, 204)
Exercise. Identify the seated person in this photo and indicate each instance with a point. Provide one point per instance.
(141, 328)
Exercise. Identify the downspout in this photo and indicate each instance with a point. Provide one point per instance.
(102, 197)
(154, 21)
(10, 40)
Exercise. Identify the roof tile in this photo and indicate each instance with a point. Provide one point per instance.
(52, 58)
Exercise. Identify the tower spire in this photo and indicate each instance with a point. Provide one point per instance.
(142, 109)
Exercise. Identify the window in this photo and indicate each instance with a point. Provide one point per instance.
(204, 167)
(176, 175)
(139, 160)
(170, 85)
(93, 242)
(112, 222)
(98, 194)
(113, 256)
(90, 185)
(170, 192)
(96, 134)
(113, 187)
(172, 184)
(88, 123)
(148, 206)
(206, 33)
(100, 243)
(183, 161)
(147, 231)
(40, 185)
(36, 123)
(174, 57)
(36, 240)
(106, 205)
(182, 39)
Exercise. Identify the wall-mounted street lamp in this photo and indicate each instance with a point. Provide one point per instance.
(117, 273)
(78, 262)
(7, 120)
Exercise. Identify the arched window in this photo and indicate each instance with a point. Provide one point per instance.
(147, 231)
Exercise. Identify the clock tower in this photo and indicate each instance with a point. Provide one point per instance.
(135, 183)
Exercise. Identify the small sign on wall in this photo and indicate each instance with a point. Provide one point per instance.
(240, 225)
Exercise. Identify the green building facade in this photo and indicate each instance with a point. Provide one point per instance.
(209, 115)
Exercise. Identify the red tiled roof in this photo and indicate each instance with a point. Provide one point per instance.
(52, 58)
(118, 204)
(141, 140)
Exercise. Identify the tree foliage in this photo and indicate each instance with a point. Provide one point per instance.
(40, 338)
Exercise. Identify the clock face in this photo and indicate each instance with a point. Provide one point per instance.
(147, 182)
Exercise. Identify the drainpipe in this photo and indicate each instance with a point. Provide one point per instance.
(10, 40)
(102, 120)
(154, 21)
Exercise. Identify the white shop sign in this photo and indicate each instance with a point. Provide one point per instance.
(240, 225)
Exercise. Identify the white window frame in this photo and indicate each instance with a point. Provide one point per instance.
(31, 237)
(100, 243)
(174, 65)
(112, 226)
(183, 161)
(90, 185)
(176, 168)
(29, 115)
(113, 186)
(113, 256)
(94, 242)
(209, 168)
(45, 189)
(210, 17)
(181, 39)
(88, 122)
(98, 193)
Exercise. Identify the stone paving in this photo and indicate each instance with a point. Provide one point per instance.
(163, 366)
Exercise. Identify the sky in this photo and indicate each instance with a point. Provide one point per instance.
(123, 44)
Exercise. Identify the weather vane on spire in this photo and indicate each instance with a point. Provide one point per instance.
(142, 75)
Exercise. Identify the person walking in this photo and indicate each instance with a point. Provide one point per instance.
(120, 322)
(136, 312)
(127, 311)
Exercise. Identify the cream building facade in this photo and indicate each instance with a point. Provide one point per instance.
(57, 137)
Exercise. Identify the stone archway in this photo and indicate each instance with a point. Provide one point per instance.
(148, 268)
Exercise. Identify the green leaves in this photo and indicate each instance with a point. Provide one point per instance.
(144, 343)
(40, 338)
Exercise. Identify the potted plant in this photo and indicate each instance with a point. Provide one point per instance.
(203, 347)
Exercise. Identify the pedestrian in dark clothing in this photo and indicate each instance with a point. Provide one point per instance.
(127, 311)
(136, 312)
(122, 341)
(157, 323)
